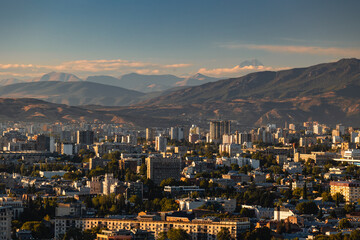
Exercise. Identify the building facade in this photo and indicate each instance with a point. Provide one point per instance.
(350, 190)
(197, 228)
(159, 168)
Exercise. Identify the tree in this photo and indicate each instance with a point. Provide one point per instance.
(259, 233)
(349, 208)
(338, 198)
(178, 234)
(307, 208)
(73, 234)
(355, 235)
(168, 182)
(304, 193)
(223, 234)
(326, 197)
(344, 224)
(37, 228)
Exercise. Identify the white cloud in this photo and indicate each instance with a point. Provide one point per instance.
(147, 71)
(179, 65)
(88, 67)
(236, 70)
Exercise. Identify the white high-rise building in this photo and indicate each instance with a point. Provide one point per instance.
(160, 143)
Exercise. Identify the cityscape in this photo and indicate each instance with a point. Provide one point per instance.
(179, 120)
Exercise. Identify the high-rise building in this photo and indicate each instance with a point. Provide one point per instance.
(194, 129)
(85, 137)
(218, 129)
(243, 138)
(350, 190)
(160, 143)
(5, 222)
(65, 136)
(176, 133)
(150, 134)
(108, 181)
(159, 168)
(341, 129)
(42, 143)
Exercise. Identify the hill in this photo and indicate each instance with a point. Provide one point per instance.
(34, 110)
(8, 81)
(326, 92)
(72, 93)
(341, 78)
(56, 76)
(151, 83)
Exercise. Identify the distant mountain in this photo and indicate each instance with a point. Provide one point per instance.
(151, 83)
(72, 93)
(103, 79)
(326, 92)
(133, 81)
(341, 78)
(253, 62)
(9, 81)
(196, 80)
(56, 76)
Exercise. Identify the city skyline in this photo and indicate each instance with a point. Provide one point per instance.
(181, 38)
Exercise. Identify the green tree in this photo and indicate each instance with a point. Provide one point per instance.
(168, 182)
(344, 224)
(73, 234)
(349, 208)
(338, 198)
(304, 193)
(307, 208)
(223, 234)
(326, 197)
(259, 233)
(37, 228)
(355, 235)
(178, 234)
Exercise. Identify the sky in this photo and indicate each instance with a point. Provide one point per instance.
(212, 37)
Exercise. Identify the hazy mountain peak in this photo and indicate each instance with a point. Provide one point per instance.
(253, 62)
(58, 76)
(8, 81)
(199, 76)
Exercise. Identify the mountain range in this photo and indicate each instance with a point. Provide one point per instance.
(327, 92)
(132, 81)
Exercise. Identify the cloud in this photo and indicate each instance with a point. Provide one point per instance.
(87, 67)
(313, 50)
(21, 75)
(235, 70)
(147, 71)
(179, 65)
(10, 66)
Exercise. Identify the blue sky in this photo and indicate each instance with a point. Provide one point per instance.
(174, 37)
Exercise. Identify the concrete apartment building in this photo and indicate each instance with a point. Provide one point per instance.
(350, 190)
(159, 168)
(197, 228)
(218, 129)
